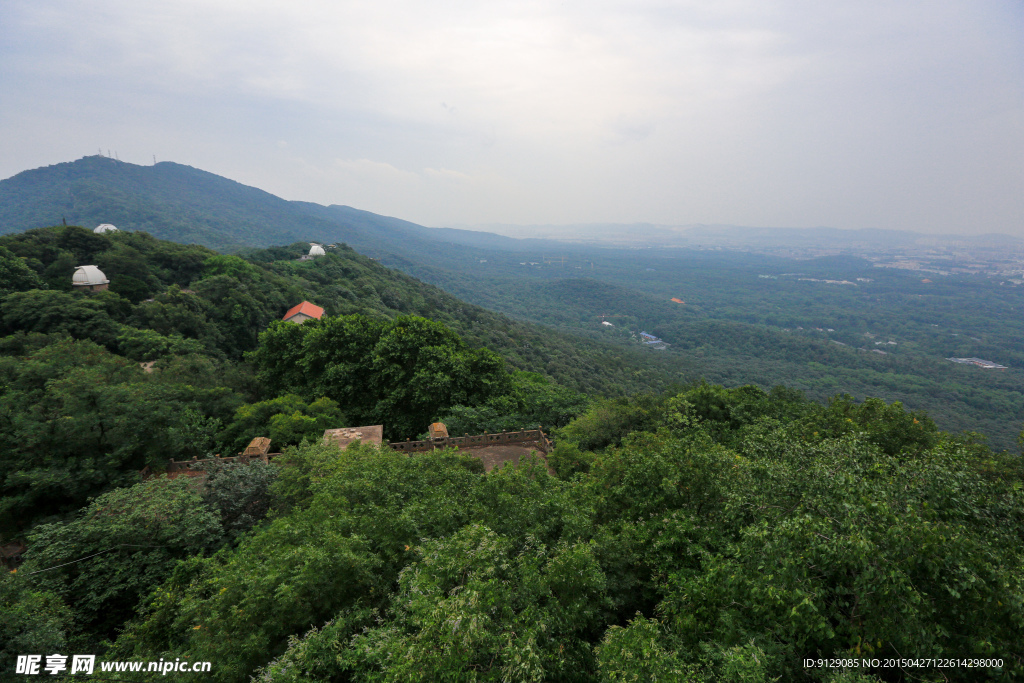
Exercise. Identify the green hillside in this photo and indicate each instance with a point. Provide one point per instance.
(169, 201)
(748, 318)
(722, 534)
(198, 314)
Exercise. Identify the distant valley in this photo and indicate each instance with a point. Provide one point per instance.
(733, 305)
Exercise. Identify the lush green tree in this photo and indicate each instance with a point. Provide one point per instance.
(77, 420)
(307, 423)
(15, 274)
(893, 428)
(607, 421)
(33, 621)
(94, 316)
(177, 313)
(401, 373)
(232, 266)
(193, 435)
(287, 420)
(728, 414)
(534, 400)
(132, 538)
(642, 651)
(147, 345)
(477, 606)
(241, 307)
(240, 494)
(566, 459)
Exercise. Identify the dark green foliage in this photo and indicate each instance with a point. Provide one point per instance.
(534, 401)
(15, 274)
(175, 312)
(33, 621)
(480, 602)
(643, 651)
(94, 316)
(240, 494)
(287, 420)
(607, 421)
(727, 415)
(139, 532)
(567, 460)
(77, 420)
(890, 427)
(147, 345)
(673, 557)
(402, 373)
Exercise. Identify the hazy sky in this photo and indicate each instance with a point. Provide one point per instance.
(905, 115)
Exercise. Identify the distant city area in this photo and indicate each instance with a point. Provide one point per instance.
(990, 254)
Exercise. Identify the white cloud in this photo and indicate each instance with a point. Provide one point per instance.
(786, 112)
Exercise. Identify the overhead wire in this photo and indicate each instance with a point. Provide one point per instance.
(121, 545)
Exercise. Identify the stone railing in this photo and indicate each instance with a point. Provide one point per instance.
(525, 436)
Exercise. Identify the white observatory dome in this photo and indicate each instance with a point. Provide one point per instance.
(88, 276)
(316, 250)
(104, 227)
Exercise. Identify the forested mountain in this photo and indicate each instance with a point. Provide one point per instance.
(184, 204)
(746, 317)
(167, 200)
(75, 395)
(690, 533)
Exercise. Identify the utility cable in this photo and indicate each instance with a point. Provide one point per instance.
(122, 545)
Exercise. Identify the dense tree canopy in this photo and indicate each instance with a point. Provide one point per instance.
(76, 420)
(672, 556)
(401, 373)
(703, 533)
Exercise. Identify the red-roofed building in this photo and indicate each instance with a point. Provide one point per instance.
(303, 312)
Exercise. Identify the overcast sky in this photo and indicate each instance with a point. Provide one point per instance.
(851, 114)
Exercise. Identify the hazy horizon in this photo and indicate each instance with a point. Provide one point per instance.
(794, 114)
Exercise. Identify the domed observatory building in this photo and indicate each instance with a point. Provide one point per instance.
(89, 279)
(104, 227)
(314, 251)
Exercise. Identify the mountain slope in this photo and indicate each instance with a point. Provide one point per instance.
(168, 200)
(761, 300)
(184, 204)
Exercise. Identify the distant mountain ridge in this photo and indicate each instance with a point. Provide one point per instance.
(185, 204)
(168, 200)
(181, 203)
